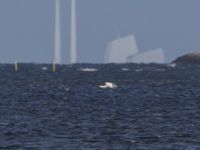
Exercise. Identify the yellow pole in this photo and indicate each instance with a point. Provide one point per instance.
(54, 66)
(16, 66)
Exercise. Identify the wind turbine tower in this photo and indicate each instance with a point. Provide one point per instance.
(73, 32)
(57, 49)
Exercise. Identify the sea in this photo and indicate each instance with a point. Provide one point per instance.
(152, 107)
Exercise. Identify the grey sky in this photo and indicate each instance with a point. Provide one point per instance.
(27, 27)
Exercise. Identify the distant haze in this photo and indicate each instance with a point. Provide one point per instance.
(27, 28)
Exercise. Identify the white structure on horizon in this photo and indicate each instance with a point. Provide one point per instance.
(150, 56)
(73, 33)
(125, 50)
(57, 48)
(119, 49)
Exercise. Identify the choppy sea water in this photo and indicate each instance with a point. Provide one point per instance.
(155, 107)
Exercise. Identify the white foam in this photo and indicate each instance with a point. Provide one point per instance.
(88, 69)
(108, 85)
(67, 89)
(139, 70)
(160, 70)
(171, 65)
(44, 68)
(133, 141)
(125, 69)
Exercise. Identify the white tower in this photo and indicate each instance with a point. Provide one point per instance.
(73, 32)
(57, 49)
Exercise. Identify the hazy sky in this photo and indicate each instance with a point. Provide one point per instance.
(27, 27)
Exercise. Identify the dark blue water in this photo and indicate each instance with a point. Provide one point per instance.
(155, 107)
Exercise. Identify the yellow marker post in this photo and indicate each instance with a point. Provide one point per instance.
(16, 66)
(54, 66)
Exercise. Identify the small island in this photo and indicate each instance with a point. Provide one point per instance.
(192, 58)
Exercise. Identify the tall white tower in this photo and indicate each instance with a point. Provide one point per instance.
(73, 32)
(57, 49)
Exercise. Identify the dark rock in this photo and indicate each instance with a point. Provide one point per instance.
(192, 58)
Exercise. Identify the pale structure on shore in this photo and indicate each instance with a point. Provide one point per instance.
(119, 49)
(150, 56)
(125, 50)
